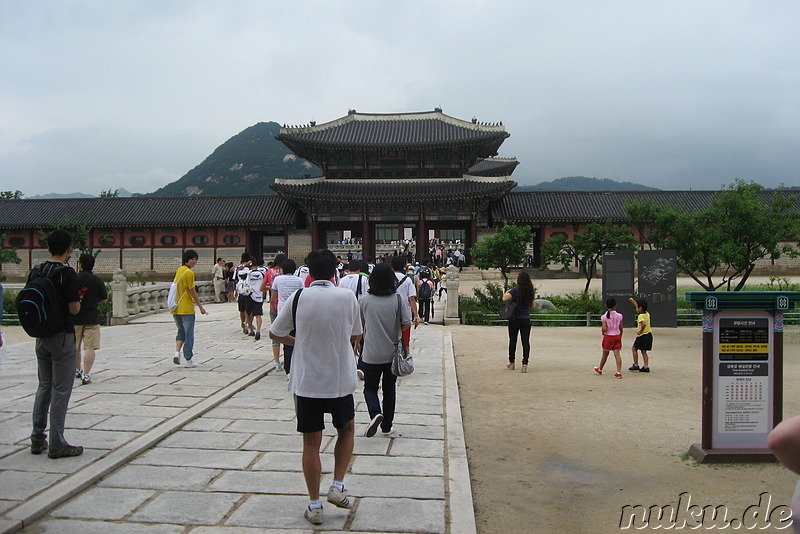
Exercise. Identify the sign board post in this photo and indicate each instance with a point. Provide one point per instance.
(657, 284)
(618, 281)
(742, 393)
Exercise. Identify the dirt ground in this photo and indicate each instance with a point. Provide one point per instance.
(561, 449)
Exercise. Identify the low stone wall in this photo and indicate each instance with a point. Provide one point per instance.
(129, 303)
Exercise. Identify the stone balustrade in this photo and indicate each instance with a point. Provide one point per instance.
(131, 302)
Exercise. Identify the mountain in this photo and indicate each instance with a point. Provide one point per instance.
(245, 164)
(63, 195)
(582, 183)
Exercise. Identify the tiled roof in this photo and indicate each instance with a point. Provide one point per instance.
(566, 207)
(494, 167)
(395, 130)
(340, 190)
(122, 212)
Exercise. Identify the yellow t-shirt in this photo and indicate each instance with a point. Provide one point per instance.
(644, 318)
(184, 277)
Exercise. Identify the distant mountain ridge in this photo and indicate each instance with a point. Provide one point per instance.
(245, 164)
(583, 183)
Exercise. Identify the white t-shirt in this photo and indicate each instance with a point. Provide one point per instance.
(351, 282)
(284, 285)
(406, 288)
(323, 366)
(254, 278)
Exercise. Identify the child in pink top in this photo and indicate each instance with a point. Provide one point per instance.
(612, 337)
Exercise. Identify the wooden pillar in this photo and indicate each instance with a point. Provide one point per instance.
(422, 239)
(314, 233)
(367, 241)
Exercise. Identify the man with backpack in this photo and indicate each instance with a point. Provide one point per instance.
(55, 343)
(425, 294)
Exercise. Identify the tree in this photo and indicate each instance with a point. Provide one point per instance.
(80, 235)
(504, 249)
(11, 195)
(7, 255)
(587, 248)
(740, 227)
(109, 193)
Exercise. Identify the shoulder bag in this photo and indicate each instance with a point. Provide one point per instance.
(509, 309)
(402, 363)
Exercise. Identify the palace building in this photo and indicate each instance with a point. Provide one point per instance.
(386, 178)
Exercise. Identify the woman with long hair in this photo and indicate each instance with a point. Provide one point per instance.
(520, 324)
(384, 314)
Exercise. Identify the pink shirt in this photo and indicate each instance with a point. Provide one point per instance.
(612, 323)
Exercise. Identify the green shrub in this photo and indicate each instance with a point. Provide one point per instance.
(9, 297)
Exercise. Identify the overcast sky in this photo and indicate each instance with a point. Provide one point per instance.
(101, 95)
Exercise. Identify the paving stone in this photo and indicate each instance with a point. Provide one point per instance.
(16, 429)
(418, 431)
(290, 461)
(197, 458)
(187, 508)
(127, 384)
(269, 442)
(99, 439)
(103, 503)
(84, 420)
(272, 482)
(407, 418)
(286, 428)
(16, 485)
(395, 486)
(161, 478)
(283, 513)
(375, 445)
(403, 515)
(208, 424)
(386, 465)
(206, 440)
(176, 390)
(121, 400)
(265, 414)
(23, 460)
(418, 447)
(75, 526)
(246, 530)
(6, 505)
(7, 450)
(139, 411)
(124, 422)
(177, 402)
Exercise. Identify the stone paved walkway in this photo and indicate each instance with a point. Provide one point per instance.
(214, 449)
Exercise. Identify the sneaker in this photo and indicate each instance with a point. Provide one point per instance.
(360, 374)
(78, 373)
(373, 426)
(617, 375)
(63, 452)
(278, 366)
(86, 379)
(258, 336)
(190, 363)
(252, 333)
(389, 432)
(339, 497)
(38, 446)
(313, 515)
(644, 369)
(598, 370)
(634, 367)
(177, 359)
(425, 322)
(244, 329)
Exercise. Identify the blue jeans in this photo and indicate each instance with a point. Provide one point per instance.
(55, 359)
(185, 325)
(372, 376)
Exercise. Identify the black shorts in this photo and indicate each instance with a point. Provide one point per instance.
(243, 302)
(254, 308)
(310, 412)
(644, 342)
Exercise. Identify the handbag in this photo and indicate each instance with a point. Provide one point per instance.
(509, 309)
(402, 363)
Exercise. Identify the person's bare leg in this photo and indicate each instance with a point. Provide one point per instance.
(603, 359)
(635, 354)
(645, 358)
(343, 450)
(312, 466)
(88, 361)
(618, 357)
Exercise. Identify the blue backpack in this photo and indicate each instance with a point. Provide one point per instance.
(39, 307)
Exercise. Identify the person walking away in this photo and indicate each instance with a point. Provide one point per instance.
(55, 355)
(92, 292)
(255, 306)
(520, 325)
(425, 294)
(384, 314)
(282, 287)
(644, 337)
(612, 336)
(405, 287)
(184, 314)
(323, 378)
(273, 273)
(218, 277)
(240, 277)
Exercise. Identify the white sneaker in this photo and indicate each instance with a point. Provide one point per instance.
(360, 374)
(190, 363)
(388, 433)
(339, 498)
(278, 366)
(313, 515)
(177, 359)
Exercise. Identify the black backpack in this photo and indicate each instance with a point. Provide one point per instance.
(39, 307)
(424, 290)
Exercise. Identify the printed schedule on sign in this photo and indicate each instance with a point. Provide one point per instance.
(744, 339)
(745, 403)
